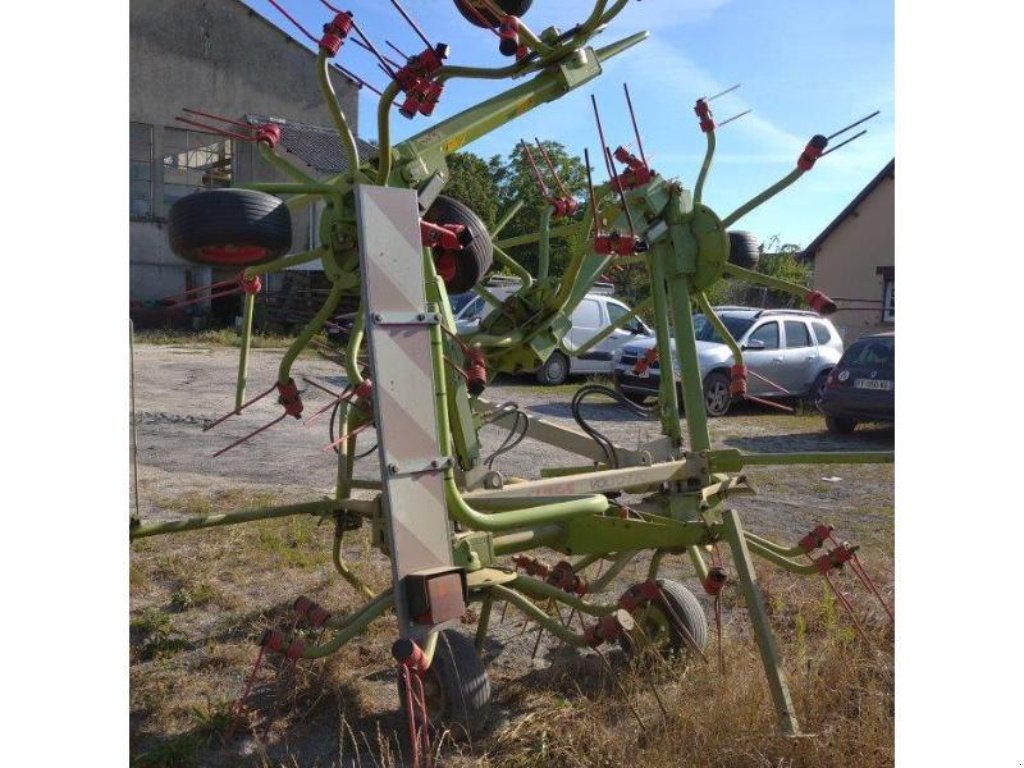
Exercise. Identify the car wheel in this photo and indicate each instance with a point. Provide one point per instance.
(837, 425)
(555, 369)
(817, 392)
(717, 397)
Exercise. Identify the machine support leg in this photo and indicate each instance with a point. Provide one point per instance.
(759, 618)
(484, 621)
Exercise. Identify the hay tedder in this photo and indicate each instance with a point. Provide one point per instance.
(455, 530)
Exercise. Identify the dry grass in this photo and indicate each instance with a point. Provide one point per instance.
(200, 600)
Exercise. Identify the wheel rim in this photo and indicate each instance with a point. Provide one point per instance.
(555, 369)
(233, 254)
(653, 629)
(717, 398)
(819, 396)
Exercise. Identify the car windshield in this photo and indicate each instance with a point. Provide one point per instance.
(873, 351)
(705, 331)
(460, 300)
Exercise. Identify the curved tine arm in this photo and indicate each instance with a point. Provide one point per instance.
(384, 158)
(348, 141)
(716, 321)
(698, 188)
(763, 197)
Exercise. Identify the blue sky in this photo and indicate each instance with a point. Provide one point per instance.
(806, 68)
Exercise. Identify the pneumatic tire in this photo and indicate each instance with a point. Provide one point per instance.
(659, 624)
(472, 262)
(456, 688)
(233, 228)
(744, 249)
(511, 7)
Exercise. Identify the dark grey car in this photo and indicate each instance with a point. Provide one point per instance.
(862, 386)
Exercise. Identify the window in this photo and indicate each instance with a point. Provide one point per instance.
(140, 171)
(888, 275)
(705, 331)
(616, 312)
(821, 332)
(193, 160)
(797, 335)
(768, 333)
(587, 315)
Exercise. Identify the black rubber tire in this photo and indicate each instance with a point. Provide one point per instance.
(744, 249)
(477, 253)
(817, 391)
(688, 610)
(555, 370)
(458, 675)
(716, 401)
(838, 425)
(511, 7)
(248, 227)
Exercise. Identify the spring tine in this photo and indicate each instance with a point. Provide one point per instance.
(734, 117)
(290, 18)
(412, 23)
(362, 83)
(536, 170)
(249, 436)
(636, 130)
(397, 50)
(854, 124)
(844, 143)
(238, 410)
(216, 130)
(551, 167)
(722, 93)
(622, 194)
(216, 117)
(373, 49)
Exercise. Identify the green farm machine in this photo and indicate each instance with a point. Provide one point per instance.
(456, 531)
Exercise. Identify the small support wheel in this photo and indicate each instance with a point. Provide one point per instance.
(456, 688)
(232, 228)
(461, 270)
(658, 623)
(484, 12)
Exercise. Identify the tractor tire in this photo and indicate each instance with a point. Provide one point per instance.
(744, 249)
(473, 261)
(233, 228)
(511, 7)
(662, 626)
(456, 688)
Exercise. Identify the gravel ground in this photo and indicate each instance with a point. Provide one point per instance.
(180, 389)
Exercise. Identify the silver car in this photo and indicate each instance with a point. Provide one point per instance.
(788, 353)
(595, 312)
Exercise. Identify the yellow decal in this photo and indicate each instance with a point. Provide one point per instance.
(453, 143)
(526, 105)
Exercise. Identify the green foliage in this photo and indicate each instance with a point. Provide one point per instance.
(777, 260)
(157, 637)
(516, 181)
(472, 182)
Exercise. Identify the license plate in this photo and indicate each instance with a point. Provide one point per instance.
(881, 384)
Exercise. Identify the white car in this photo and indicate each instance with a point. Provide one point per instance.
(595, 312)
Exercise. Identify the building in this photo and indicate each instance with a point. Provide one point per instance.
(854, 259)
(221, 57)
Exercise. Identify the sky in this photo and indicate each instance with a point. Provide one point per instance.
(805, 68)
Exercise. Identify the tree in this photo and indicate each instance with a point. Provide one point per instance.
(516, 181)
(472, 183)
(779, 260)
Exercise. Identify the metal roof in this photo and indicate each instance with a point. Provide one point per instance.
(811, 251)
(316, 146)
